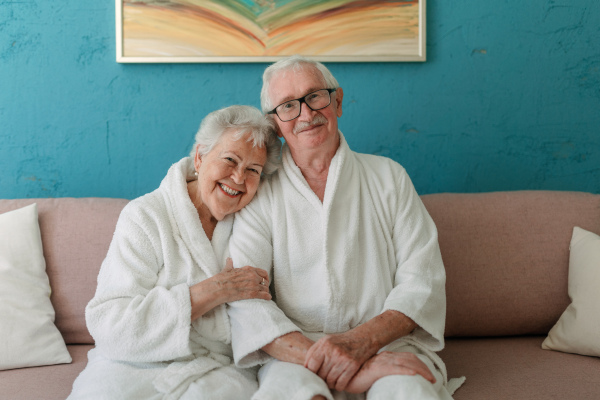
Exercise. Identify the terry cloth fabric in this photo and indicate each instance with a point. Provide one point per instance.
(140, 316)
(370, 246)
(283, 380)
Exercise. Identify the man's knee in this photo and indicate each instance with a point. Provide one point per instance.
(400, 387)
(281, 380)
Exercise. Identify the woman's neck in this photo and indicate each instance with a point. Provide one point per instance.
(209, 223)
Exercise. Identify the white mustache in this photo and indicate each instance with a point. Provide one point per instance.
(319, 119)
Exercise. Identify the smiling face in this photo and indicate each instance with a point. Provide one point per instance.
(312, 129)
(228, 176)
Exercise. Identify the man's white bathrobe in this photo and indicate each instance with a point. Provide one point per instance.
(370, 246)
(147, 347)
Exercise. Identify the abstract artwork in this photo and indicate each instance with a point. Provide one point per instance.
(267, 30)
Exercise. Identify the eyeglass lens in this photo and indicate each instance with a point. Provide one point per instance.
(315, 101)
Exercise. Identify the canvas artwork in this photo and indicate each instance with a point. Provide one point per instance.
(266, 30)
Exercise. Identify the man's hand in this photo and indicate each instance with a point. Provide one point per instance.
(336, 358)
(388, 363)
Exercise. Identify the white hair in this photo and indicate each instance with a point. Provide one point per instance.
(294, 63)
(245, 120)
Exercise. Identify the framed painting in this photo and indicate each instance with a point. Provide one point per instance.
(179, 31)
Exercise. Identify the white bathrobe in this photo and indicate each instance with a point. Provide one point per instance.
(370, 246)
(147, 347)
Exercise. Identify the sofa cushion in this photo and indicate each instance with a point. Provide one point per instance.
(578, 329)
(76, 234)
(517, 368)
(53, 382)
(506, 257)
(28, 336)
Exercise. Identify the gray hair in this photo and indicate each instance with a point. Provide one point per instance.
(295, 63)
(245, 120)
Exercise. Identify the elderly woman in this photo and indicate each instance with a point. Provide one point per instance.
(158, 316)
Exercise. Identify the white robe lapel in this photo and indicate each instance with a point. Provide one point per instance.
(298, 181)
(186, 221)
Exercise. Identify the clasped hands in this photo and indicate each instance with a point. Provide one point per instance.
(350, 363)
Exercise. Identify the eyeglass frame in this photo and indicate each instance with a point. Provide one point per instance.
(302, 100)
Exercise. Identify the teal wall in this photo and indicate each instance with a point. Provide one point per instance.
(508, 99)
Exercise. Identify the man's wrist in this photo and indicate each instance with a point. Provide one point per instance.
(383, 329)
(365, 338)
(291, 347)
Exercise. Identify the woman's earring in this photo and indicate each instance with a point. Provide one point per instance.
(196, 173)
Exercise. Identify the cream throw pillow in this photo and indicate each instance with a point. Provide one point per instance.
(578, 329)
(28, 336)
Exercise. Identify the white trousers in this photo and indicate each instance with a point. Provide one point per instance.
(281, 380)
(105, 379)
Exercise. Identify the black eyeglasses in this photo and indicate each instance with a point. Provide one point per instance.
(315, 101)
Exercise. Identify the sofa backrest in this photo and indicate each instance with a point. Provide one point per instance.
(507, 257)
(75, 236)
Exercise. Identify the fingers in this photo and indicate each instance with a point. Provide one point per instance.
(324, 373)
(417, 366)
(334, 366)
(425, 372)
(247, 272)
(385, 364)
(252, 290)
(409, 364)
(334, 375)
(264, 285)
(314, 359)
(242, 283)
(228, 265)
(344, 379)
(342, 373)
(259, 275)
(262, 273)
(258, 272)
(251, 277)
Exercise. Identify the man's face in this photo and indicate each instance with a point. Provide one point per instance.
(312, 129)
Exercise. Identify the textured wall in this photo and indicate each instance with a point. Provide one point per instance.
(508, 99)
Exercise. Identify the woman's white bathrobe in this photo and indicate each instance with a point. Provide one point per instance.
(370, 246)
(147, 347)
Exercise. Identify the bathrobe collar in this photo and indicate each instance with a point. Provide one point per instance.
(333, 177)
(186, 221)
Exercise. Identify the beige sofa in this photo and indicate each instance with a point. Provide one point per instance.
(506, 256)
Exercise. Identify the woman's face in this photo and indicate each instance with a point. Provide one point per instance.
(228, 176)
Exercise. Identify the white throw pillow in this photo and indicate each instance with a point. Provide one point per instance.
(28, 336)
(578, 329)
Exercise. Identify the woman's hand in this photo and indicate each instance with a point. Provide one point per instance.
(230, 284)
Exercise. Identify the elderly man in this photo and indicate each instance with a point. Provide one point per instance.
(357, 277)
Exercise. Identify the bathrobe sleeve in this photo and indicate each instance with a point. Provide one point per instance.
(419, 281)
(255, 323)
(130, 318)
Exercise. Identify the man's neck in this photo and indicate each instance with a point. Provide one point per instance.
(314, 165)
